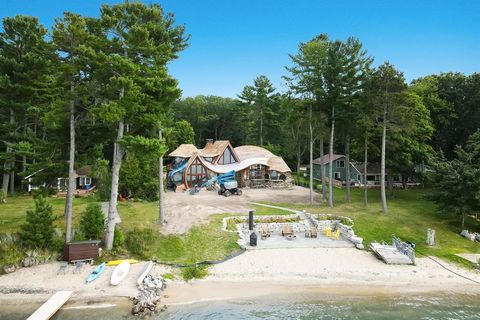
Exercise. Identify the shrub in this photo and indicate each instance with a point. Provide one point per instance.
(92, 223)
(118, 238)
(140, 241)
(197, 272)
(10, 252)
(38, 229)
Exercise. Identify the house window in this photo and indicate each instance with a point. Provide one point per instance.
(340, 163)
(196, 173)
(209, 159)
(227, 157)
(337, 176)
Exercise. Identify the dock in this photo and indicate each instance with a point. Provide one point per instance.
(51, 306)
(398, 253)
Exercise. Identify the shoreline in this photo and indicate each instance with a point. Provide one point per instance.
(256, 273)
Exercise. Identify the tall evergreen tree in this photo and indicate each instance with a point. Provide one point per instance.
(141, 38)
(260, 101)
(390, 90)
(25, 68)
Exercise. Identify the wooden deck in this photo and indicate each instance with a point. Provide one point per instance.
(51, 306)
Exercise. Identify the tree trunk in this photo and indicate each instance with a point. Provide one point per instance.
(365, 172)
(299, 158)
(322, 172)
(12, 181)
(347, 168)
(382, 165)
(112, 206)
(8, 165)
(330, 162)
(261, 126)
(161, 212)
(311, 155)
(72, 179)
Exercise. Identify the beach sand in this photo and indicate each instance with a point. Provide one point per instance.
(337, 271)
(321, 270)
(38, 283)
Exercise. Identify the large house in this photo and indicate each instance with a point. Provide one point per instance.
(357, 170)
(254, 166)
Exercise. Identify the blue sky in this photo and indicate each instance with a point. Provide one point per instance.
(232, 42)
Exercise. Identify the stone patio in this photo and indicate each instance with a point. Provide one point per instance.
(279, 241)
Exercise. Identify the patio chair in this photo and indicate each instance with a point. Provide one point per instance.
(79, 266)
(287, 230)
(265, 232)
(328, 231)
(336, 234)
(63, 268)
(313, 232)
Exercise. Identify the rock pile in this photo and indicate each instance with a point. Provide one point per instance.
(145, 303)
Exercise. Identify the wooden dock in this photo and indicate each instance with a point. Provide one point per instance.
(51, 306)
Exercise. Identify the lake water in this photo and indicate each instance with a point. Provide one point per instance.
(283, 307)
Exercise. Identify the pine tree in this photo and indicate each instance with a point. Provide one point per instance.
(92, 222)
(38, 230)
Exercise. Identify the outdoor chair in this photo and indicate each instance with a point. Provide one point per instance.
(265, 232)
(336, 234)
(328, 231)
(313, 232)
(79, 267)
(63, 267)
(287, 230)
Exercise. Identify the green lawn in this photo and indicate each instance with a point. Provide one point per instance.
(12, 214)
(409, 217)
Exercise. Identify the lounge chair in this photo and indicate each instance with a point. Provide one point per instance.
(328, 231)
(287, 230)
(336, 234)
(313, 232)
(265, 232)
(79, 267)
(63, 268)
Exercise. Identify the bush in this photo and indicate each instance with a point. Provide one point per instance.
(118, 238)
(140, 241)
(92, 223)
(197, 272)
(10, 252)
(38, 230)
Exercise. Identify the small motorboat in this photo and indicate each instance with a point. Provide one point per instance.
(96, 272)
(145, 272)
(117, 262)
(120, 272)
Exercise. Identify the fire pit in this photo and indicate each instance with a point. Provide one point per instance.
(291, 237)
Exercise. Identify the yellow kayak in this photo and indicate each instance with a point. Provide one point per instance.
(117, 262)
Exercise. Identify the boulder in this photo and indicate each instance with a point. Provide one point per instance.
(359, 246)
(29, 261)
(9, 268)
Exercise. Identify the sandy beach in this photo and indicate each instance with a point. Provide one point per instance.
(344, 271)
(340, 271)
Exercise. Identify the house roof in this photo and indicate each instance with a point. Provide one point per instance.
(84, 171)
(184, 151)
(373, 168)
(249, 151)
(326, 158)
(214, 149)
(278, 164)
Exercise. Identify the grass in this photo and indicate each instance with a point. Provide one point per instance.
(200, 243)
(409, 217)
(13, 213)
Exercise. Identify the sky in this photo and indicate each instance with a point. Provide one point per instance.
(233, 42)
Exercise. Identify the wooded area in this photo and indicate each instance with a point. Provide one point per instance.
(97, 91)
